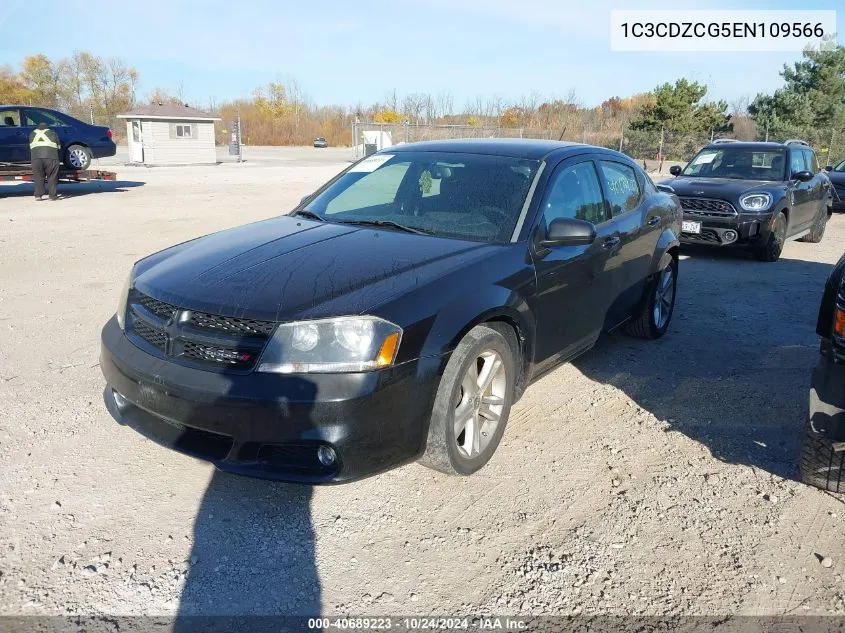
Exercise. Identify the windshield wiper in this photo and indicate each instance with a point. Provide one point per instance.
(309, 214)
(387, 223)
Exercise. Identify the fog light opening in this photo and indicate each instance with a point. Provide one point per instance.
(729, 236)
(119, 400)
(326, 455)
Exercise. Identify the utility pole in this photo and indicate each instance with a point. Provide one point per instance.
(662, 139)
(767, 131)
(240, 139)
(91, 112)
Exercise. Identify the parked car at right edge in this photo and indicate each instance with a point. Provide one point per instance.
(753, 195)
(823, 454)
(836, 173)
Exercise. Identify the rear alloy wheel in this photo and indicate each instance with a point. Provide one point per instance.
(771, 250)
(473, 401)
(817, 232)
(657, 311)
(78, 157)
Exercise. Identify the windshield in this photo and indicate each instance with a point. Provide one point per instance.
(466, 196)
(739, 164)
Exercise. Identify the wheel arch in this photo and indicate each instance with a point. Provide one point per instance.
(524, 333)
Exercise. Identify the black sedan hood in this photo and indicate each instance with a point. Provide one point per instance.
(288, 268)
(719, 188)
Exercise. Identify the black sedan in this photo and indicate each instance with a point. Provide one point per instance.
(823, 454)
(836, 173)
(754, 195)
(396, 314)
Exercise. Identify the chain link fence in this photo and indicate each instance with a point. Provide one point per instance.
(654, 149)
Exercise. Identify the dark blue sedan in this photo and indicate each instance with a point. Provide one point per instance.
(81, 142)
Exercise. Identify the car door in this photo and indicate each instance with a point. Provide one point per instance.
(33, 116)
(12, 139)
(575, 284)
(818, 186)
(802, 201)
(637, 222)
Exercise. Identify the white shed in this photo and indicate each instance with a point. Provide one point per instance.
(170, 134)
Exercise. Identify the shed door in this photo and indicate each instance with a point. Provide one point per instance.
(136, 144)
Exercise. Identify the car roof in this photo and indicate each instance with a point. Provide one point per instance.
(512, 147)
(758, 145)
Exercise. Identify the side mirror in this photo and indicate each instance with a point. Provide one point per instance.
(569, 232)
(675, 170)
(803, 176)
(828, 167)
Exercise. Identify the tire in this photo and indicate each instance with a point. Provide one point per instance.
(817, 232)
(449, 449)
(821, 466)
(651, 323)
(771, 250)
(78, 157)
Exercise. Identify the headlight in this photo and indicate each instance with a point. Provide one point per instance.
(341, 344)
(123, 299)
(755, 201)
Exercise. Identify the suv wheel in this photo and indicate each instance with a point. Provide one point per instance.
(657, 311)
(78, 157)
(817, 232)
(473, 401)
(770, 251)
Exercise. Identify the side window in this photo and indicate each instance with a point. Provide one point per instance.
(796, 161)
(372, 189)
(34, 116)
(10, 118)
(574, 192)
(810, 159)
(623, 190)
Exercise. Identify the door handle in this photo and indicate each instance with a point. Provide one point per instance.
(653, 220)
(610, 242)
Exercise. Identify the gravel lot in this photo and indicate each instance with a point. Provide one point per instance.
(645, 478)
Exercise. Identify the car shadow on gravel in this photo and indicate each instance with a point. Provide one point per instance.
(253, 551)
(71, 190)
(733, 370)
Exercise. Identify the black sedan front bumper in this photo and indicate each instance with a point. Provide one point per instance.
(744, 229)
(269, 425)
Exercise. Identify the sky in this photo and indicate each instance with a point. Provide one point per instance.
(342, 52)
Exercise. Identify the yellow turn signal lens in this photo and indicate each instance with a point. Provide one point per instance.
(388, 350)
(839, 322)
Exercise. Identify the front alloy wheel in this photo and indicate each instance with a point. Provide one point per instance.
(473, 401)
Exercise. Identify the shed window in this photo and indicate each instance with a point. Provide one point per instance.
(184, 131)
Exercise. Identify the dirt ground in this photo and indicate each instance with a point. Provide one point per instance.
(652, 478)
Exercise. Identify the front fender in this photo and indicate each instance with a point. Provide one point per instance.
(501, 304)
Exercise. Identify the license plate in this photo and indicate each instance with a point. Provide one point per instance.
(690, 227)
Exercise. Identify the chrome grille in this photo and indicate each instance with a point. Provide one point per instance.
(708, 206)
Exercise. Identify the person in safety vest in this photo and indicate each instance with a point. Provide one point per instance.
(44, 146)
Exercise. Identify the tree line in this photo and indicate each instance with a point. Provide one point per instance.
(810, 105)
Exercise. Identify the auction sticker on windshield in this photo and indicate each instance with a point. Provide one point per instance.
(372, 163)
(701, 159)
